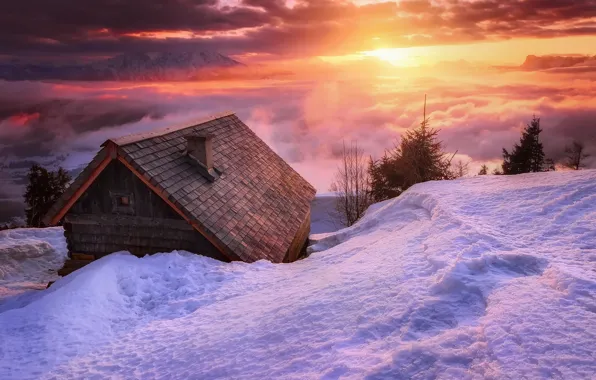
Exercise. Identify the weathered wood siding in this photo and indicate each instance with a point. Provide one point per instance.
(97, 224)
(298, 247)
(116, 180)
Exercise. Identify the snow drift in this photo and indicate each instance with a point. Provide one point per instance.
(29, 259)
(489, 277)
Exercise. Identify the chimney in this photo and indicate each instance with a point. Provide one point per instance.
(200, 147)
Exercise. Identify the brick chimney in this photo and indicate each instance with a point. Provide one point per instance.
(200, 148)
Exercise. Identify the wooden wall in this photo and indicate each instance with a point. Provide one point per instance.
(298, 247)
(116, 180)
(97, 224)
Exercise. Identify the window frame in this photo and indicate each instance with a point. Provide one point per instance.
(118, 207)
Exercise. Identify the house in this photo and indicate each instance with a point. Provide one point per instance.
(213, 188)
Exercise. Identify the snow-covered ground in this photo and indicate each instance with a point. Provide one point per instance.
(489, 277)
(29, 259)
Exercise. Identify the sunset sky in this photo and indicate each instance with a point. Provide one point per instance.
(277, 29)
(358, 70)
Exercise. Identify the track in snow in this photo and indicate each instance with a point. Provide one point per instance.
(491, 277)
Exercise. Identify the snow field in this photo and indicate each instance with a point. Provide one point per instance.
(490, 277)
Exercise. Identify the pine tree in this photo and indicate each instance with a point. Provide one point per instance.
(528, 155)
(483, 170)
(43, 190)
(419, 157)
(382, 178)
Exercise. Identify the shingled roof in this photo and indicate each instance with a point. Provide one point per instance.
(252, 211)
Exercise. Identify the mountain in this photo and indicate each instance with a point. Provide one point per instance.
(125, 67)
(550, 62)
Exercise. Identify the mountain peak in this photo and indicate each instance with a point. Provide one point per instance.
(136, 66)
(545, 62)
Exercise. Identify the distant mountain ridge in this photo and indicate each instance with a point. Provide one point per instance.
(557, 62)
(165, 66)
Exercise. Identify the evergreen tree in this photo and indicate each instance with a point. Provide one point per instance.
(382, 178)
(419, 157)
(43, 190)
(483, 170)
(528, 155)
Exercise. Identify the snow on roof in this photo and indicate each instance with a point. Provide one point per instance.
(485, 277)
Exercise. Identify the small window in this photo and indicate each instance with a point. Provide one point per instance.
(122, 203)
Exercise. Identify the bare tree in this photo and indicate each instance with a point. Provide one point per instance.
(483, 170)
(461, 169)
(352, 185)
(575, 156)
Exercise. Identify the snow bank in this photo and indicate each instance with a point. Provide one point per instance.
(489, 277)
(29, 259)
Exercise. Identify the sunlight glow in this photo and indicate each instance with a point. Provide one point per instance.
(403, 57)
(510, 52)
(163, 35)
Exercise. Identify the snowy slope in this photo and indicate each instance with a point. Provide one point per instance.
(487, 277)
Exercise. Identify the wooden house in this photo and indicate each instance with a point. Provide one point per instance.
(213, 188)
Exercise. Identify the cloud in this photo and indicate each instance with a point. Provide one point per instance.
(61, 120)
(304, 120)
(310, 27)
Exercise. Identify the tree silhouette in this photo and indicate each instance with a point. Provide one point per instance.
(43, 190)
(352, 185)
(419, 157)
(461, 169)
(528, 155)
(575, 156)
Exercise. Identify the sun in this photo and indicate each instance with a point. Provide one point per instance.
(396, 56)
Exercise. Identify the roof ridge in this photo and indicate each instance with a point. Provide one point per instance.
(136, 137)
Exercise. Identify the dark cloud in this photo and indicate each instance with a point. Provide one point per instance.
(48, 123)
(64, 20)
(578, 125)
(310, 27)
